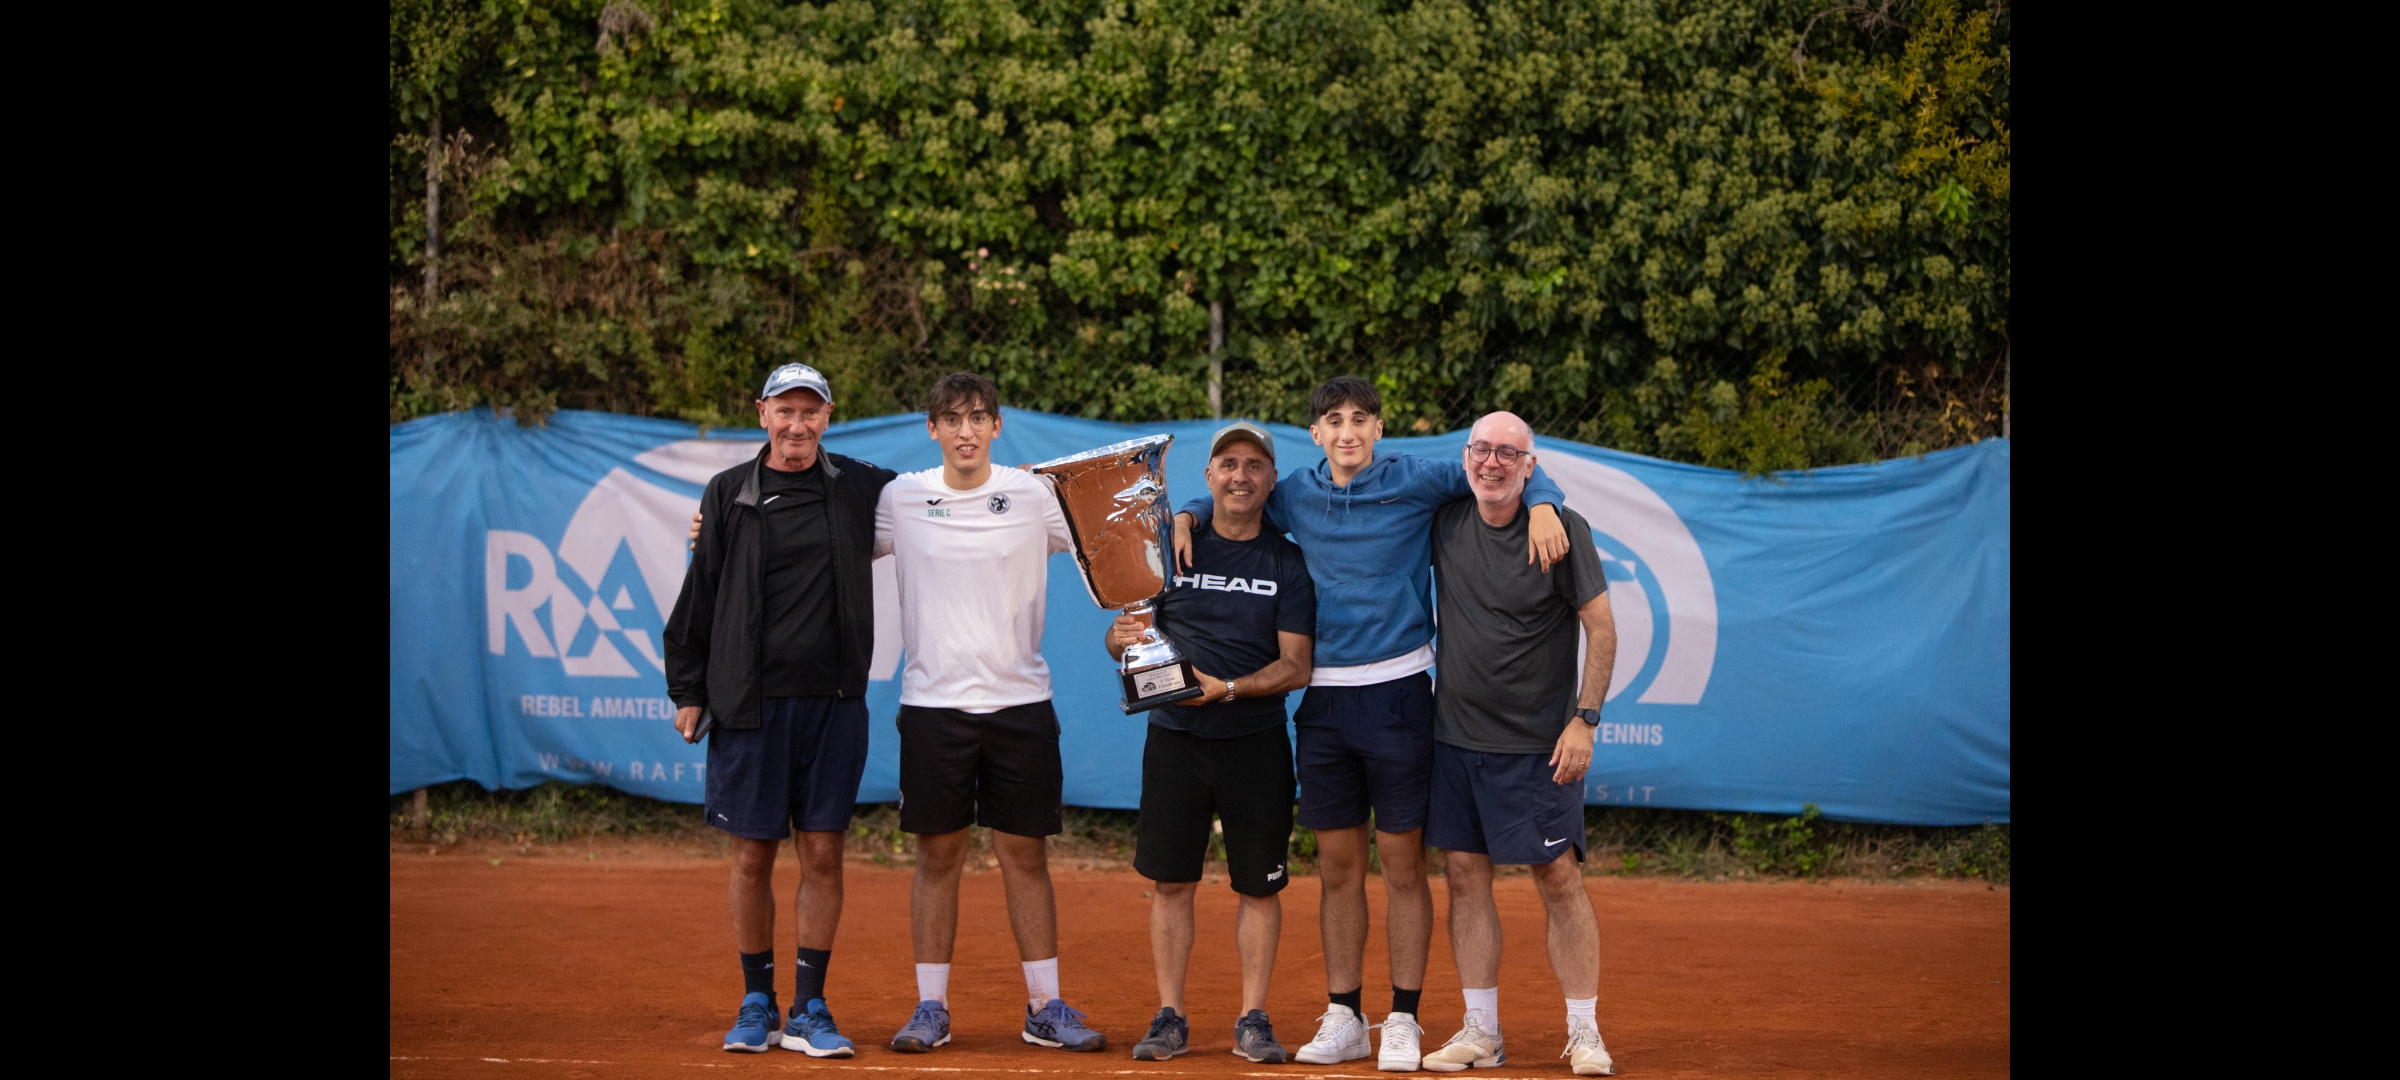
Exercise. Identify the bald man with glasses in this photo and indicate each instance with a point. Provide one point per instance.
(1514, 717)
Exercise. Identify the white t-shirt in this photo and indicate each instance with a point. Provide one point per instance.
(1398, 667)
(974, 569)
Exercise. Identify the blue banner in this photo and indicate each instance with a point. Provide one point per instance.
(1839, 636)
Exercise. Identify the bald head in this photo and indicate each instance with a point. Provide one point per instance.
(1498, 459)
(1502, 429)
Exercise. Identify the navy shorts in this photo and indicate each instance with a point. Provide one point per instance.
(1503, 805)
(798, 768)
(1366, 748)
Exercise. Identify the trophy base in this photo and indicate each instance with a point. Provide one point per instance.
(1163, 684)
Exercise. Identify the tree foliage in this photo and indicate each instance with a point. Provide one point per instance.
(1637, 223)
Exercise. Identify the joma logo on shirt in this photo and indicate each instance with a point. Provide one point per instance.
(1217, 583)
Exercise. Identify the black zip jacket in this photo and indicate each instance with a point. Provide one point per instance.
(714, 638)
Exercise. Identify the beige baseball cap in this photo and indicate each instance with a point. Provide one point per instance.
(1242, 429)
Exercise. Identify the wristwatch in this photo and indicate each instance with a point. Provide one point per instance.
(1229, 694)
(1589, 716)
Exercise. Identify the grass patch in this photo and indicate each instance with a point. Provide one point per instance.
(1713, 845)
(1634, 841)
(550, 813)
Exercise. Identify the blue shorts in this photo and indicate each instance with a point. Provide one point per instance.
(1365, 748)
(798, 768)
(1503, 805)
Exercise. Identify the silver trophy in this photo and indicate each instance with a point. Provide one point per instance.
(1115, 500)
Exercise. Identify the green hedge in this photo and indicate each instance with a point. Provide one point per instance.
(1637, 223)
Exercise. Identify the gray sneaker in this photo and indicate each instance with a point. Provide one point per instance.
(1061, 1025)
(928, 1028)
(1254, 1038)
(1170, 1036)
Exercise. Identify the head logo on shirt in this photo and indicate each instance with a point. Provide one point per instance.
(998, 503)
(1215, 583)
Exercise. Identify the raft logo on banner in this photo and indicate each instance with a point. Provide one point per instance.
(1659, 587)
(599, 601)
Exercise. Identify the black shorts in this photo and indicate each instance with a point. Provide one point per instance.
(998, 769)
(1503, 805)
(798, 768)
(1366, 747)
(1245, 780)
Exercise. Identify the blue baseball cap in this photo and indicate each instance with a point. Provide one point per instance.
(796, 377)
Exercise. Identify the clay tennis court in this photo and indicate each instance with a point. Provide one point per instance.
(552, 965)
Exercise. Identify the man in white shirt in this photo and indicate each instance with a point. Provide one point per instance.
(978, 738)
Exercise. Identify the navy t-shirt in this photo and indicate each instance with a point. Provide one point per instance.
(1224, 614)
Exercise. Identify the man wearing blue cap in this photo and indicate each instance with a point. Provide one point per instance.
(767, 654)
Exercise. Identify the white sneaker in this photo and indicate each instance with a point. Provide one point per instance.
(1586, 1052)
(1401, 1052)
(1472, 1046)
(1341, 1036)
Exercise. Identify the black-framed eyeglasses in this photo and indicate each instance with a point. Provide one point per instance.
(1508, 455)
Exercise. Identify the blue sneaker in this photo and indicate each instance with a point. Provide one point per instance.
(1059, 1025)
(929, 1028)
(812, 1032)
(753, 1026)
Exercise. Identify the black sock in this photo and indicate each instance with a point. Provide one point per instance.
(1406, 1000)
(1349, 1000)
(758, 973)
(808, 976)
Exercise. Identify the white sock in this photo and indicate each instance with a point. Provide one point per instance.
(1584, 1009)
(933, 983)
(1041, 982)
(1486, 1002)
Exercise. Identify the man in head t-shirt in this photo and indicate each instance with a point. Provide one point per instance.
(1513, 737)
(1245, 614)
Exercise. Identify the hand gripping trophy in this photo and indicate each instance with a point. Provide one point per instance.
(1115, 501)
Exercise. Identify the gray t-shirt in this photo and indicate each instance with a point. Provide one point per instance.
(1504, 650)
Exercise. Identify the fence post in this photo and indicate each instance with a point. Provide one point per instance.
(433, 238)
(1216, 359)
(416, 809)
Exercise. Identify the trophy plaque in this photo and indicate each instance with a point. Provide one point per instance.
(1115, 501)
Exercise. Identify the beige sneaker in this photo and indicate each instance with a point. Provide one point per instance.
(1473, 1046)
(1401, 1051)
(1586, 1052)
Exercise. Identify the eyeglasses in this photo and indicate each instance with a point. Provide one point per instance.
(1508, 455)
(978, 420)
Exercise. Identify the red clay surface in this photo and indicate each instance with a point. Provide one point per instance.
(554, 966)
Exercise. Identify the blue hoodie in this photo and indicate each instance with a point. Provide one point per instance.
(1369, 548)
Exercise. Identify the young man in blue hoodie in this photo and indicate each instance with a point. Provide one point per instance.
(1365, 728)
